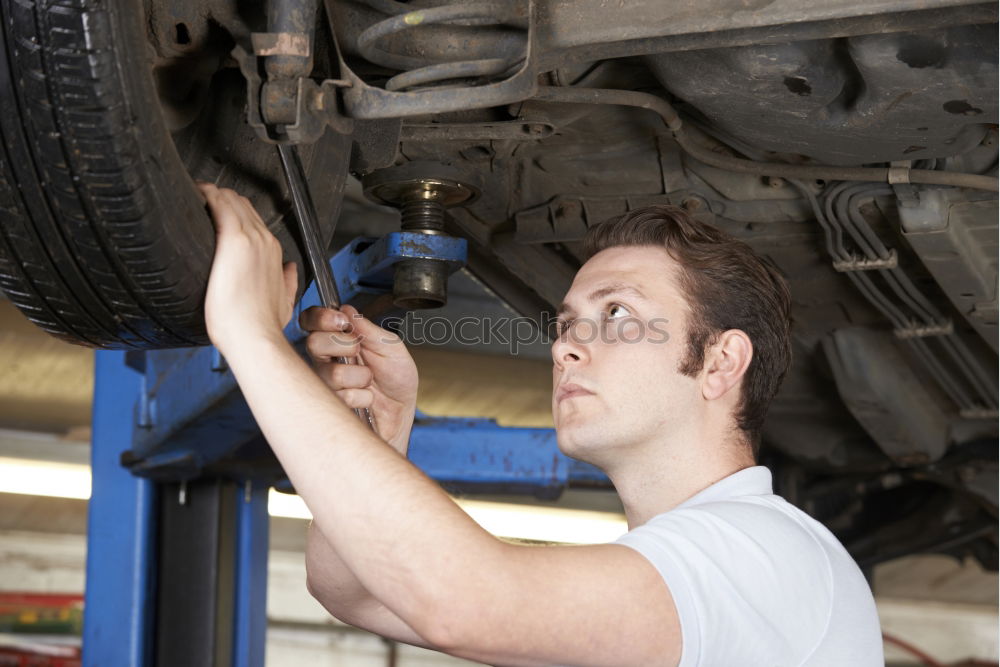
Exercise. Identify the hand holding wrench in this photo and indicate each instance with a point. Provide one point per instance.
(305, 213)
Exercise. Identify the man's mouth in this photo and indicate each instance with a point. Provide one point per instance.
(571, 390)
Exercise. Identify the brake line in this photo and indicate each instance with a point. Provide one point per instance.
(686, 141)
(878, 298)
(847, 207)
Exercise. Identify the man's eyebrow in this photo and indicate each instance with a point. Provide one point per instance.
(600, 293)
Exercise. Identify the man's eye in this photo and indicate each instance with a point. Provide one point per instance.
(616, 310)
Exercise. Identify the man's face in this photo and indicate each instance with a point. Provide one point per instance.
(622, 338)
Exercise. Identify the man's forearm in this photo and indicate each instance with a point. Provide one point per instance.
(331, 582)
(384, 518)
(329, 578)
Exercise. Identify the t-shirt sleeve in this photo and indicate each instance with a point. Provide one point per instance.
(751, 586)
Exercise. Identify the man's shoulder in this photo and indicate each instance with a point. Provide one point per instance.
(750, 563)
(766, 513)
(761, 546)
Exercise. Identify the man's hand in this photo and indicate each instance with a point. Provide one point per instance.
(386, 384)
(250, 294)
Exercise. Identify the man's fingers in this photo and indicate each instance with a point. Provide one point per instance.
(347, 376)
(230, 210)
(327, 345)
(226, 220)
(318, 318)
(356, 398)
(250, 215)
(201, 192)
(373, 337)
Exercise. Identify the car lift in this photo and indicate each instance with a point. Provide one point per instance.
(178, 523)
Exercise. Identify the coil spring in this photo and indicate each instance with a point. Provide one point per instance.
(423, 72)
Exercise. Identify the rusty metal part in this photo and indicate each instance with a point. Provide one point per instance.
(288, 57)
(365, 101)
(420, 71)
(420, 284)
(291, 25)
(589, 30)
(513, 130)
(421, 200)
(891, 261)
(303, 108)
(278, 101)
(298, 107)
(585, 31)
(281, 44)
(429, 193)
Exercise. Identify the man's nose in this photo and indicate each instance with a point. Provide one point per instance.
(569, 348)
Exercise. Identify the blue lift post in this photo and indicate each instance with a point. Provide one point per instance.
(168, 419)
(119, 527)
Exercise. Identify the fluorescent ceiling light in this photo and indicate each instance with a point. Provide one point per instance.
(44, 478)
(524, 522)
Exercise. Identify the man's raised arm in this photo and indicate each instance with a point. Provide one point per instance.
(387, 385)
(457, 587)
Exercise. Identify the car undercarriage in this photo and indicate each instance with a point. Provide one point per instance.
(853, 144)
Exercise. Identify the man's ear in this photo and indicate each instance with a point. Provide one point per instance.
(726, 361)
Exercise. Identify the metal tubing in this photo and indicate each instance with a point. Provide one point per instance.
(702, 154)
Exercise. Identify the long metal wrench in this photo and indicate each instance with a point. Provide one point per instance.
(305, 213)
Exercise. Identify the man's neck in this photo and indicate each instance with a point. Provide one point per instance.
(654, 484)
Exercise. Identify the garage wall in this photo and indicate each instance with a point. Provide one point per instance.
(300, 632)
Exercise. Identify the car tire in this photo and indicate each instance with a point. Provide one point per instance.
(104, 240)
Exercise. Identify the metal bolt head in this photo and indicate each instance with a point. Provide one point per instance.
(691, 204)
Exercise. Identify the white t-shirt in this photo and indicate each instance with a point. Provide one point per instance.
(758, 582)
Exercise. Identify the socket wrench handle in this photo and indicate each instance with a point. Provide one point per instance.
(305, 213)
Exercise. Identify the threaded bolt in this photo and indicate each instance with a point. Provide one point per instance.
(422, 213)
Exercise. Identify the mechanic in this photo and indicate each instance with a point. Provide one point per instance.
(674, 337)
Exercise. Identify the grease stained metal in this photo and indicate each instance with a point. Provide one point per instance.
(416, 247)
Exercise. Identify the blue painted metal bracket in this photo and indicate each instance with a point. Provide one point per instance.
(479, 455)
(191, 413)
(365, 265)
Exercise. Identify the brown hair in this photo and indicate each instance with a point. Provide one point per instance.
(727, 286)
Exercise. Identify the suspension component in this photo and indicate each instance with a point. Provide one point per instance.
(287, 51)
(284, 105)
(419, 283)
(421, 71)
(434, 80)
